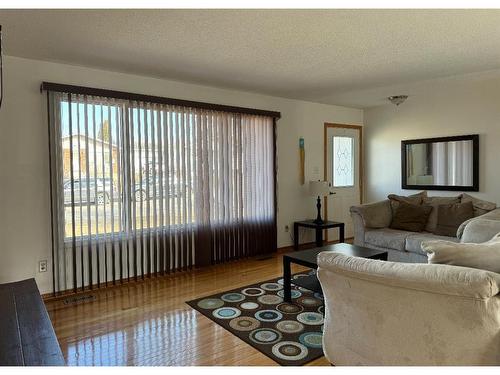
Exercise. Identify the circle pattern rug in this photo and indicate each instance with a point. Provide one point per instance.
(289, 333)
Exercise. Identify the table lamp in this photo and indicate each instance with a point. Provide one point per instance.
(319, 189)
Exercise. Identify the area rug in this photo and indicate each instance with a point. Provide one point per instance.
(288, 333)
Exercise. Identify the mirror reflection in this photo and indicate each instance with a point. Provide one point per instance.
(440, 163)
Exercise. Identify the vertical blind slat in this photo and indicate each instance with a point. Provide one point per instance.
(127, 222)
(111, 197)
(167, 178)
(96, 233)
(181, 188)
(102, 196)
(72, 187)
(171, 199)
(141, 186)
(119, 151)
(146, 178)
(133, 201)
(79, 193)
(87, 175)
(154, 184)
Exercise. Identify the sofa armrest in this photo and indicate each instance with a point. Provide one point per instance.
(480, 230)
(484, 228)
(430, 278)
(374, 215)
(358, 228)
(461, 228)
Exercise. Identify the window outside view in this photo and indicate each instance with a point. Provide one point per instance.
(98, 163)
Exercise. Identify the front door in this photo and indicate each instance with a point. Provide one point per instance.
(343, 172)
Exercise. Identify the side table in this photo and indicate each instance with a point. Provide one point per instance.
(319, 230)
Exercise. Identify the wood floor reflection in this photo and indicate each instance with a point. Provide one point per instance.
(149, 324)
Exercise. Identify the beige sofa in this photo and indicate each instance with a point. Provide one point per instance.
(387, 313)
(371, 229)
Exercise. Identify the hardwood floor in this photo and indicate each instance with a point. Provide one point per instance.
(149, 324)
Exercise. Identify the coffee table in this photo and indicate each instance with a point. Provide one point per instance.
(308, 258)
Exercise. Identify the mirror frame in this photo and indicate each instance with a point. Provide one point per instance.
(475, 163)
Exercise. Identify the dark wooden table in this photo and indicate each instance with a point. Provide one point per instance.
(27, 337)
(319, 230)
(308, 258)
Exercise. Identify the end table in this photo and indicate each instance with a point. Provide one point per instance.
(319, 230)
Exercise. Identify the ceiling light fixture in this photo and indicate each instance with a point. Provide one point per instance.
(397, 99)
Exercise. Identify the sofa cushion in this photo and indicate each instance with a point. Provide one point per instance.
(410, 217)
(450, 216)
(411, 199)
(414, 241)
(387, 238)
(434, 202)
(485, 256)
(480, 207)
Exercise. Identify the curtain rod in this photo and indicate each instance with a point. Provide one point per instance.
(81, 90)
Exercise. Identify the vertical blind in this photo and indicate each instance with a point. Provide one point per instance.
(142, 188)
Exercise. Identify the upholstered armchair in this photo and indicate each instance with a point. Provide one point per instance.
(388, 313)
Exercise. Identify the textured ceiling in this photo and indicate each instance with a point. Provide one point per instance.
(317, 55)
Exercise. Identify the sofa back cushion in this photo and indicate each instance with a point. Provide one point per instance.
(480, 207)
(374, 215)
(410, 217)
(434, 202)
(485, 256)
(451, 216)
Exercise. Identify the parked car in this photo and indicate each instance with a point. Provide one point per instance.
(172, 188)
(97, 191)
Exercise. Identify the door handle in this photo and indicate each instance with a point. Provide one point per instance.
(332, 192)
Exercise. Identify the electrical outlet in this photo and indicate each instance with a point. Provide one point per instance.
(42, 266)
(287, 228)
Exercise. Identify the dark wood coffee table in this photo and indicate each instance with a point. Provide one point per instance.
(308, 258)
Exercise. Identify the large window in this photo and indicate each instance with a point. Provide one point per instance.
(141, 188)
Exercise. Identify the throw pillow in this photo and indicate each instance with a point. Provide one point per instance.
(450, 216)
(480, 207)
(410, 217)
(416, 199)
(485, 256)
(434, 202)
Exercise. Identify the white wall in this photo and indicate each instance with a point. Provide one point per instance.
(446, 107)
(24, 174)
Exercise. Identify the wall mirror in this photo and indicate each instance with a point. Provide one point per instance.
(447, 163)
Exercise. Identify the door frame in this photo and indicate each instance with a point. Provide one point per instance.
(328, 125)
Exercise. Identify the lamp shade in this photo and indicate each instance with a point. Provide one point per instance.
(319, 188)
